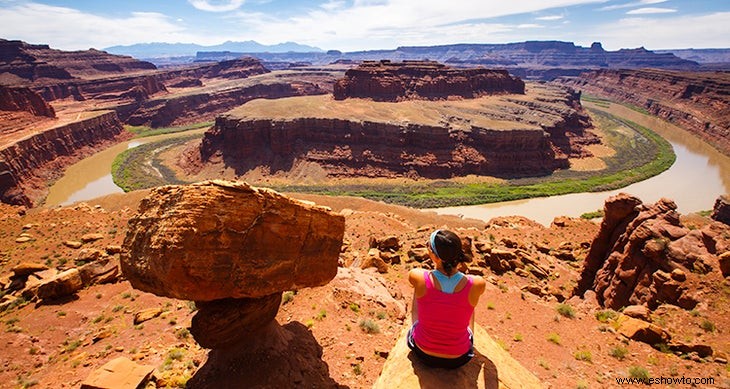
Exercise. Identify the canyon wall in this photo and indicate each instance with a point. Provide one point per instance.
(390, 81)
(28, 164)
(23, 99)
(349, 148)
(698, 102)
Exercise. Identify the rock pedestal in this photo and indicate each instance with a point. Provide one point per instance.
(491, 367)
(231, 248)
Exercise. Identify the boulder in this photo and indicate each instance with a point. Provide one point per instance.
(725, 263)
(91, 237)
(721, 210)
(641, 331)
(63, 284)
(100, 272)
(353, 285)
(220, 239)
(491, 367)
(119, 373)
(637, 312)
(146, 314)
(27, 268)
(72, 244)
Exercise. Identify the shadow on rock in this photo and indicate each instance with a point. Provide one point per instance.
(281, 357)
(466, 376)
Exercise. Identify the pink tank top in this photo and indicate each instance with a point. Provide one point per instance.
(443, 320)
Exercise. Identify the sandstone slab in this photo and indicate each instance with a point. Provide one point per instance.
(492, 367)
(63, 284)
(119, 373)
(220, 239)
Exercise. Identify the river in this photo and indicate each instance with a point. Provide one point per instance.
(92, 177)
(699, 175)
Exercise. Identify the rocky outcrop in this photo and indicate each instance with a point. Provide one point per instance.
(139, 87)
(233, 249)
(389, 81)
(698, 102)
(23, 99)
(643, 255)
(515, 136)
(28, 164)
(721, 210)
(236, 68)
(491, 367)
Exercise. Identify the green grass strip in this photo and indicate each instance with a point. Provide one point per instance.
(144, 131)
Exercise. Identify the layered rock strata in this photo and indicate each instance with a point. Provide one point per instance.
(25, 100)
(698, 102)
(233, 249)
(512, 135)
(23, 62)
(644, 255)
(396, 81)
(28, 164)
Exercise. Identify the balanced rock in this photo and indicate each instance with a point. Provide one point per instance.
(220, 239)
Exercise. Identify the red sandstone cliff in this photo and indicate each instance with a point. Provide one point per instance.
(698, 102)
(23, 99)
(546, 131)
(23, 63)
(28, 164)
(391, 81)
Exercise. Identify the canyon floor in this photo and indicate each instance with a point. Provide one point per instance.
(58, 344)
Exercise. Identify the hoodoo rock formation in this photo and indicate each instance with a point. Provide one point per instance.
(643, 255)
(507, 135)
(698, 102)
(396, 81)
(233, 249)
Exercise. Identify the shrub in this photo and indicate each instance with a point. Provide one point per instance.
(619, 352)
(553, 338)
(518, 337)
(287, 297)
(583, 355)
(638, 372)
(369, 326)
(606, 316)
(566, 310)
(708, 326)
(355, 307)
(321, 315)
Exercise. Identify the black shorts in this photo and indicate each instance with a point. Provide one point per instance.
(432, 361)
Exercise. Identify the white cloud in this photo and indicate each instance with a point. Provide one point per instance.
(631, 5)
(70, 29)
(690, 31)
(650, 10)
(529, 25)
(368, 24)
(216, 5)
(550, 17)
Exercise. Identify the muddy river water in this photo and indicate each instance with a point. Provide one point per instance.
(696, 179)
(699, 175)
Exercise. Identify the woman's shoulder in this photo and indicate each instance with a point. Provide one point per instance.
(417, 275)
(478, 281)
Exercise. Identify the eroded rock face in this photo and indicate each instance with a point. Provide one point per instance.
(696, 101)
(721, 210)
(219, 239)
(393, 81)
(643, 255)
(23, 99)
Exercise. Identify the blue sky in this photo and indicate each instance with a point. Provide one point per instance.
(368, 24)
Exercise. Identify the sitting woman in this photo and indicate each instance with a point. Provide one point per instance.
(443, 305)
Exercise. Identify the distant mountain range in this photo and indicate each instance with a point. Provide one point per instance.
(167, 50)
